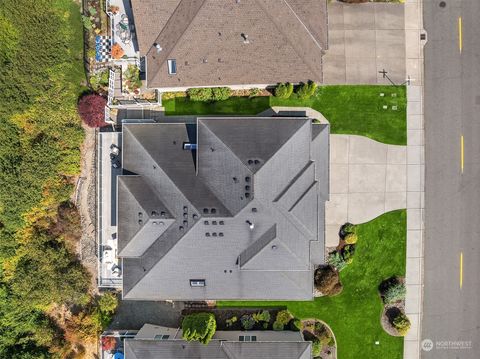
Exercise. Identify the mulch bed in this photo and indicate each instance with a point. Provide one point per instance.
(222, 314)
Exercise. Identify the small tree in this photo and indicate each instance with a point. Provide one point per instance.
(108, 343)
(199, 327)
(401, 323)
(284, 90)
(91, 109)
(221, 93)
(117, 51)
(306, 90)
(394, 293)
(327, 280)
(247, 322)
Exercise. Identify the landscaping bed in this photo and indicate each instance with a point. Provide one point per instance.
(223, 315)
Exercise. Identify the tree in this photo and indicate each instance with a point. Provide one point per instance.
(284, 90)
(199, 327)
(327, 281)
(247, 321)
(91, 109)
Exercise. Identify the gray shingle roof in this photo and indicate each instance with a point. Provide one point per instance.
(286, 39)
(212, 198)
(216, 349)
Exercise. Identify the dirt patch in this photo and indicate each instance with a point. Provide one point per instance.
(85, 200)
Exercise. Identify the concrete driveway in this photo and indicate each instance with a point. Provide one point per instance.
(367, 179)
(363, 40)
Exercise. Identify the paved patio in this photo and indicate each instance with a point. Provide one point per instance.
(363, 40)
(367, 179)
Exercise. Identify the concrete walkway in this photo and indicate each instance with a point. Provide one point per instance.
(415, 176)
(367, 179)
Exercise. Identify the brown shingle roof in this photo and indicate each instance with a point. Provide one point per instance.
(205, 37)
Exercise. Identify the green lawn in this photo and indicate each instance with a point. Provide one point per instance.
(350, 109)
(354, 315)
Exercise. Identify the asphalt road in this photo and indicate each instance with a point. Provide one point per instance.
(452, 221)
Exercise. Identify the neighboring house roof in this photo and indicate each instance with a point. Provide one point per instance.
(234, 42)
(216, 349)
(186, 215)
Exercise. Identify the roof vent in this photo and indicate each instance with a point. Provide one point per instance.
(185, 215)
(158, 47)
(247, 179)
(235, 179)
(245, 38)
(213, 210)
(250, 162)
(205, 210)
(274, 247)
(221, 223)
(154, 213)
(163, 214)
(247, 195)
(250, 224)
(214, 234)
(180, 228)
(247, 188)
(214, 223)
(194, 216)
(254, 210)
(140, 222)
(140, 214)
(185, 208)
(220, 234)
(207, 234)
(205, 223)
(185, 223)
(205, 61)
(256, 162)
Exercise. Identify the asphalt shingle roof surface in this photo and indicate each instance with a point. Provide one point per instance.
(250, 230)
(207, 38)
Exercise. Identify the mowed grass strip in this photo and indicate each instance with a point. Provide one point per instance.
(350, 109)
(354, 314)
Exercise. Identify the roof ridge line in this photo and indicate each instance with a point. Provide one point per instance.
(180, 35)
(280, 29)
(305, 26)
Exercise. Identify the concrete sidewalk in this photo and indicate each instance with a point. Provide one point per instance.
(415, 175)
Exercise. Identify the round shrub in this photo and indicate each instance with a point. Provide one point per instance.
(316, 348)
(221, 93)
(347, 253)
(263, 316)
(277, 326)
(351, 238)
(284, 317)
(247, 322)
(395, 293)
(401, 323)
(336, 260)
(347, 228)
(284, 90)
(306, 90)
(91, 109)
(326, 279)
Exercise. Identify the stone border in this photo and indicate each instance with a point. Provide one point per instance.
(415, 175)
